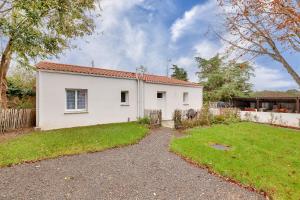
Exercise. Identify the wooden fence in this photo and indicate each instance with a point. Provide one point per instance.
(12, 119)
(154, 116)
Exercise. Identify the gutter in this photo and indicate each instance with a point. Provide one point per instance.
(138, 93)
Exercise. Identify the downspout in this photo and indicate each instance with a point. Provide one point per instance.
(37, 99)
(138, 93)
(143, 98)
(141, 95)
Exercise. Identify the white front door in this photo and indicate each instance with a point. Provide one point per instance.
(161, 103)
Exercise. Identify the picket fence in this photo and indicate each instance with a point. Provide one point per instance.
(155, 117)
(12, 119)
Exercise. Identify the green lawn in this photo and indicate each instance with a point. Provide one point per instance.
(262, 156)
(50, 144)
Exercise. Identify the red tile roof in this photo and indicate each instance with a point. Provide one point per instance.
(111, 73)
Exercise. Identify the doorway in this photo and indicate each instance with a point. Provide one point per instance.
(161, 97)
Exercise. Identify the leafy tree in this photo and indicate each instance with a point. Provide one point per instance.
(179, 73)
(35, 29)
(21, 88)
(221, 80)
(21, 82)
(268, 28)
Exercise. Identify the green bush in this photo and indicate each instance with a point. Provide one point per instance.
(190, 123)
(203, 118)
(177, 119)
(227, 116)
(21, 89)
(20, 103)
(144, 120)
(206, 118)
(219, 119)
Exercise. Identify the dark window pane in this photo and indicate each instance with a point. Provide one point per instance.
(70, 99)
(123, 97)
(159, 95)
(185, 97)
(81, 99)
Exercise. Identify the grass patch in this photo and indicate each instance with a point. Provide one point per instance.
(50, 144)
(261, 156)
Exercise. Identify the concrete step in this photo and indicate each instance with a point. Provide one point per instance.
(167, 123)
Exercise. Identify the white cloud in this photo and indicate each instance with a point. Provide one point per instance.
(185, 61)
(190, 18)
(207, 49)
(133, 33)
(125, 42)
(271, 79)
(113, 11)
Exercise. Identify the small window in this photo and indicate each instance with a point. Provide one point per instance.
(160, 95)
(125, 97)
(185, 98)
(76, 100)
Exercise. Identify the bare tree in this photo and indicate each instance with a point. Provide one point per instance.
(263, 27)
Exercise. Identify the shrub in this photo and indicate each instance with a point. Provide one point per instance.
(227, 116)
(219, 119)
(177, 117)
(144, 120)
(203, 118)
(206, 118)
(20, 103)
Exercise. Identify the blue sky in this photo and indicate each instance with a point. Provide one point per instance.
(131, 33)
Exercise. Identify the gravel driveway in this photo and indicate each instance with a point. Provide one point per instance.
(143, 171)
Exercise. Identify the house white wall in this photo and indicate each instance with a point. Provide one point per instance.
(173, 98)
(104, 99)
(104, 104)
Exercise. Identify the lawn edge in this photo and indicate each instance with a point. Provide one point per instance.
(279, 126)
(225, 178)
(75, 154)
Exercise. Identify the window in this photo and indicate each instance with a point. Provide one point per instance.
(76, 100)
(160, 95)
(124, 97)
(185, 98)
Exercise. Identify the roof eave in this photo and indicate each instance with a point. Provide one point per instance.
(97, 75)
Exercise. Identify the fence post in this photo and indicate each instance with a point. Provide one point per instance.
(177, 119)
(160, 117)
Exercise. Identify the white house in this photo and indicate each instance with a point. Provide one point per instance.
(69, 95)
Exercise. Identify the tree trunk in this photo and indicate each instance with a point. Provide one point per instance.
(290, 70)
(4, 66)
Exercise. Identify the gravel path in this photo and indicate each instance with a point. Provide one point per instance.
(143, 171)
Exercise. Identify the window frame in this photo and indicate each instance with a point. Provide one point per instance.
(76, 110)
(126, 103)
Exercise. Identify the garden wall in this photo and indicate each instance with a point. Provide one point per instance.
(282, 119)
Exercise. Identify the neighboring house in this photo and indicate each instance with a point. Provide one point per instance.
(69, 95)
